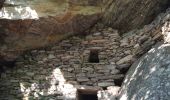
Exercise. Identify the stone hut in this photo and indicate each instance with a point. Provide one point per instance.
(90, 61)
(75, 68)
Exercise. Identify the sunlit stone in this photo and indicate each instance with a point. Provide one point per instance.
(33, 9)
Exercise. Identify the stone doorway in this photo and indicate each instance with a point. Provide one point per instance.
(85, 94)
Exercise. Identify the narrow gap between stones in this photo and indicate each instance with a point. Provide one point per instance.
(104, 88)
(118, 82)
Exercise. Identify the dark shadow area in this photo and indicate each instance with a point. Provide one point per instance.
(104, 88)
(9, 87)
(124, 70)
(1, 3)
(94, 56)
(5, 65)
(118, 82)
(87, 95)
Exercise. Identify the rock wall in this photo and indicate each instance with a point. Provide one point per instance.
(60, 70)
(56, 20)
(148, 78)
(126, 15)
(26, 24)
(87, 2)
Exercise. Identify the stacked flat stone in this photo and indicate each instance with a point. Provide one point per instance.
(55, 72)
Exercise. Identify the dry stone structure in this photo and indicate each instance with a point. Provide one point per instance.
(68, 70)
(95, 62)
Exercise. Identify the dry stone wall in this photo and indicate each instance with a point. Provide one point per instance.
(58, 71)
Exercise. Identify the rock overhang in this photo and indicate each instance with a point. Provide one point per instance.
(23, 9)
(32, 24)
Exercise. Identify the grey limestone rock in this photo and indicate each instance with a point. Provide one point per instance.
(148, 78)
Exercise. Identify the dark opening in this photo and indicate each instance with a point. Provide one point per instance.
(87, 95)
(104, 88)
(118, 82)
(5, 65)
(94, 56)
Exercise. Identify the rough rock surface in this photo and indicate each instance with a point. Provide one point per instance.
(150, 34)
(26, 24)
(50, 72)
(30, 24)
(130, 14)
(149, 77)
(110, 94)
(55, 72)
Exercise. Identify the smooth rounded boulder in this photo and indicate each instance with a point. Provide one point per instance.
(149, 77)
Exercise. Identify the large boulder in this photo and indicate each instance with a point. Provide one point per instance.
(130, 14)
(149, 77)
(28, 24)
